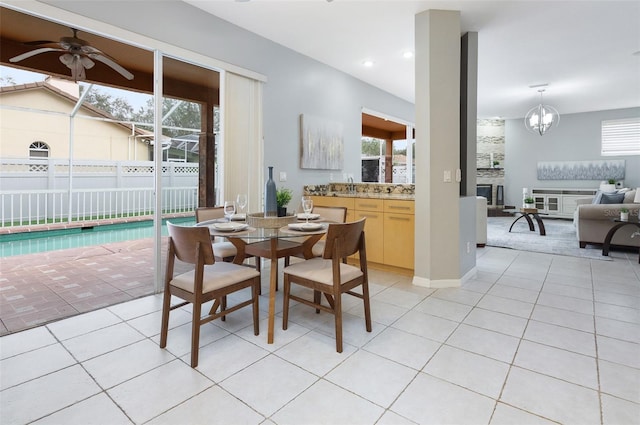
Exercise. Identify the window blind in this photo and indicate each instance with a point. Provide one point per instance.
(621, 137)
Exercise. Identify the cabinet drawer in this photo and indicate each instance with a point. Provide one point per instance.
(368, 204)
(333, 201)
(396, 206)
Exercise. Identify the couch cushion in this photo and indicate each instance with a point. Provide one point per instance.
(612, 198)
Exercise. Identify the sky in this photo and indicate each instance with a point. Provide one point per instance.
(20, 76)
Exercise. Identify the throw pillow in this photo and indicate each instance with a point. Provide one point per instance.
(612, 198)
(629, 196)
(597, 197)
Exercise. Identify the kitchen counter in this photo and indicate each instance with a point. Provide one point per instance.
(363, 190)
(403, 196)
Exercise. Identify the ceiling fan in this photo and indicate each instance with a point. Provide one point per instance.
(77, 55)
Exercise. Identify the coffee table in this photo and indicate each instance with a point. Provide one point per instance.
(527, 213)
(633, 221)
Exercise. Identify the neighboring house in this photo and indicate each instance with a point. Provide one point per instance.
(35, 122)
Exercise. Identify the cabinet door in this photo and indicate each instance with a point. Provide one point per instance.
(399, 240)
(553, 204)
(374, 236)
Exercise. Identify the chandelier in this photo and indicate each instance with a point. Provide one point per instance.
(541, 118)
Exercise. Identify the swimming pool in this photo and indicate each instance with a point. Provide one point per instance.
(51, 240)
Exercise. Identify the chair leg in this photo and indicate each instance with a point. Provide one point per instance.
(223, 307)
(256, 310)
(164, 329)
(337, 311)
(367, 305)
(195, 334)
(285, 302)
(317, 298)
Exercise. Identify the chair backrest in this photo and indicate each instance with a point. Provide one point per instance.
(208, 213)
(186, 241)
(333, 214)
(348, 236)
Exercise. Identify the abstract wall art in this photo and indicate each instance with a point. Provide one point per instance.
(581, 170)
(322, 143)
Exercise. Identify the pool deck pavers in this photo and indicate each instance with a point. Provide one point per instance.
(49, 286)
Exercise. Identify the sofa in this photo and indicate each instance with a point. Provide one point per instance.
(594, 220)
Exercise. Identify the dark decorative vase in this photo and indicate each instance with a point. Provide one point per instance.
(270, 203)
(282, 211)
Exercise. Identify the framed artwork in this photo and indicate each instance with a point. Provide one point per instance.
(322, 143)
(581, 170)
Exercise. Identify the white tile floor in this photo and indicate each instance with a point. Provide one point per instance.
(533, 338)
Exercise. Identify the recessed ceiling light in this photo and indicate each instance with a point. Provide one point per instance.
(408, 54)
(368, 63)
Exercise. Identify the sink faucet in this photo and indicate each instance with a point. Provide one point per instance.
(352, 188)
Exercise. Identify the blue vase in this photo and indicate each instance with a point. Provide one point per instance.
(270, 203)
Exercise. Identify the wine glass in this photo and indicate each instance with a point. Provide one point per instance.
(307, 207)
(229, 209)
(241, 200)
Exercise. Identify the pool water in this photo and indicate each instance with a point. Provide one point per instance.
(51, 240)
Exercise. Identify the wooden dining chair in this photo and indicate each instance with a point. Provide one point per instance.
(224, 250)
(331, 276)
(333, 215)
(209, 280)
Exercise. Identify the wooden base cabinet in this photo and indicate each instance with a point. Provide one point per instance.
(399, 240)
(372, 209)
(389, 228)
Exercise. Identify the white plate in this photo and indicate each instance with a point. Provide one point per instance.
(303, 216)
(229, 227)
(305, 227)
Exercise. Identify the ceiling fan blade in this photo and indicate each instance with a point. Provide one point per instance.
(36, 42)
(99, 57)
(34, 52)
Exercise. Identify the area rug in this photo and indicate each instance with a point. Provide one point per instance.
(560, 238)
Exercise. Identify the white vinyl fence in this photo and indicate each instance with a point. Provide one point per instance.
(21, 208)
(104, 191)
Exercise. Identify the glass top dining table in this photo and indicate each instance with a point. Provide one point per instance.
(271, 243)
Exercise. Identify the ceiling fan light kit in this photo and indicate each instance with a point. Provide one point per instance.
(77, 55)
(541, 118)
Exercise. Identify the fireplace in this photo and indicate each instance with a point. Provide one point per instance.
(486, 191)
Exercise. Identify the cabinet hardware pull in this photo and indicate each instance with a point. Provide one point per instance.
(368, 215)
(399, 218)
(398, 207)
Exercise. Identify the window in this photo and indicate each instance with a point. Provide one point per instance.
(39, 150)
(621, 137)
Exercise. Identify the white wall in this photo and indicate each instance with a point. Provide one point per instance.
(577, 138)
(296, 84)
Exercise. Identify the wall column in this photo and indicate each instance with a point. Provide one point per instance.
(437, 231)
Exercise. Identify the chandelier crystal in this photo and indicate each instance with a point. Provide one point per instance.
(541, 118)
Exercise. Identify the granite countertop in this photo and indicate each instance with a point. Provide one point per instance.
(400, 196)
(363, 190)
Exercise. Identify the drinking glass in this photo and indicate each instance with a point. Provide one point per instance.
(307, 207)
(241, 200)
(229, 209)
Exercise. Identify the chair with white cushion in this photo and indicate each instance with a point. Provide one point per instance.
(209, 280)
(331, 276)
(224, 250)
